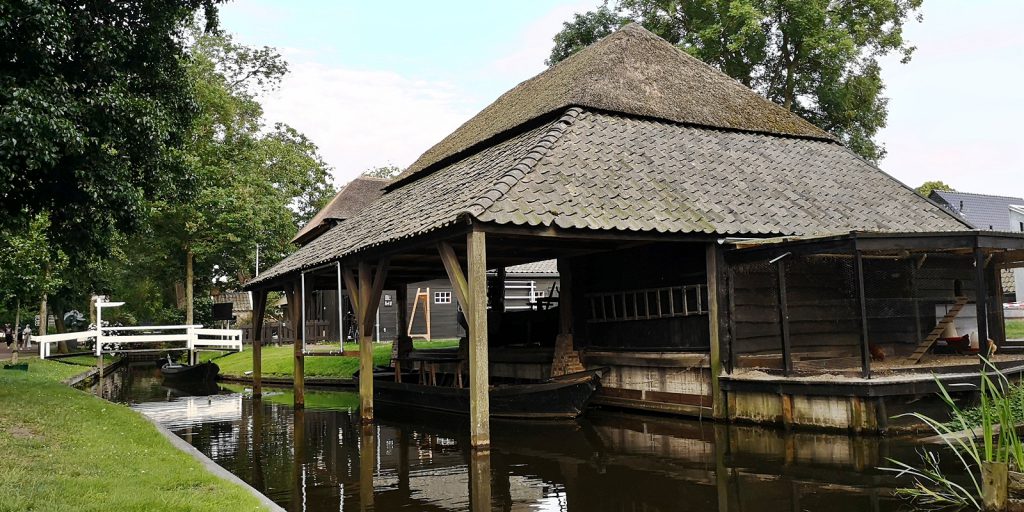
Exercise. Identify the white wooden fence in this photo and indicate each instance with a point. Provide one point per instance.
(114, 339)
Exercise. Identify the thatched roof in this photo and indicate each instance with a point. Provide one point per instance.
(352, 197)
(634, 72)
(689, 152)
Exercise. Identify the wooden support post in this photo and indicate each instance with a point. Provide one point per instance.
(479, 398)
(787, 355)
(401, 311)
(567, 359)
(365, 344)
(997, 323)
(862, 302)
(714, 322)
(981, 303)
(259, 310)
(365, 297)
(298, 327)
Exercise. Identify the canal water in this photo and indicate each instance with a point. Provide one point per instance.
(321, 459)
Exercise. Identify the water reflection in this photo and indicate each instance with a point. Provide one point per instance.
(323, 458)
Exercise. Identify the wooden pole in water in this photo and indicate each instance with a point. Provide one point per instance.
(714, 312)
(367, 460)
(298, 328)
(480, 480)
(258, 313)
(479, 398)
(365, 297)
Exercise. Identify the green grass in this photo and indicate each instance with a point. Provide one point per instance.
(278, 362)
(64, 449)
(315, 399)
(1015, 329)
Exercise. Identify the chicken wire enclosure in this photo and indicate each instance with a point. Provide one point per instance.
(796, 314)
(862, 303)
(911, 296)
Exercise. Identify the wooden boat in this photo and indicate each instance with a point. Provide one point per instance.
(561, 397)
(203, 372)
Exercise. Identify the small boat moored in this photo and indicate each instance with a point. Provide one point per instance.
(203, 372)
(561, 397)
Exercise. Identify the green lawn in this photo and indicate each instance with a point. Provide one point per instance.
(1015, 329)
(64, 449)
(277, 361)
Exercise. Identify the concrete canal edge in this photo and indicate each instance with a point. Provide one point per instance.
(212, 466)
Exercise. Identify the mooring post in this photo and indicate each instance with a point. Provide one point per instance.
(479, 398)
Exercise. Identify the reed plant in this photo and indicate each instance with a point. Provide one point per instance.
(993, 423)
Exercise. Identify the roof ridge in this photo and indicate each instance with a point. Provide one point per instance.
(525, 164)
(979, 194)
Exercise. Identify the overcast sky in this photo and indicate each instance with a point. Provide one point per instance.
(377, 83)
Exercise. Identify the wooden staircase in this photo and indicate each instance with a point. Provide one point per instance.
(933, 336)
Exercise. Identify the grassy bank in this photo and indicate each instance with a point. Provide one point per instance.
(277, 361)
(1015, 329)
(64, 449)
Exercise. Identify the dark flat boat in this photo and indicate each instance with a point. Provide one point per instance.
(204, 372)
(561, 397)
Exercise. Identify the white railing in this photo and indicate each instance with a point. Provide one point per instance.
(46, 340)
(225, 339)
(194, 336)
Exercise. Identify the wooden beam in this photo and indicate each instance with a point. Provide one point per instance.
(460, 286)
(862, 302)
(787, 353)
(376, 289)
(981, 305)
(259, 311)
(479, 398)
(714, 312)
(353, 290)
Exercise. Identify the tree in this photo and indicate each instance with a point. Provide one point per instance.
(384, 171)
(252, 186)
(29, 266)
(926, 188)
(817, 58)
(95, 104)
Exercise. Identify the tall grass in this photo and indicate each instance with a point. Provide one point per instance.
(999, 442)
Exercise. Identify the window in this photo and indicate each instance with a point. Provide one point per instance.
(1022, 226)
(442, 297)
(538, 294)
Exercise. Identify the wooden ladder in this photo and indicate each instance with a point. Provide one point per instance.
(933, 336)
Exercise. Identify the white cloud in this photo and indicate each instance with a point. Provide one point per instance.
(955, 108)
(364, 118)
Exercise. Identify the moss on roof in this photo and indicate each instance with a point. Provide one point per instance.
(633, 72)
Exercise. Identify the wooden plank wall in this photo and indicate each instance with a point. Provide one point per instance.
(649, 266)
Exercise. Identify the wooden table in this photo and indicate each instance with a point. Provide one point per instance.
(428, 364)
